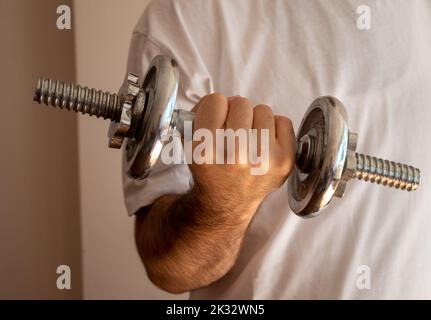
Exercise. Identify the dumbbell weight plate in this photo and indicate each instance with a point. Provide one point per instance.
(161, 87)
(325, 121)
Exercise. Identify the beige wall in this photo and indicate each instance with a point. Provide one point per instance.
(111, 265)
(60, 186)
(39, 211)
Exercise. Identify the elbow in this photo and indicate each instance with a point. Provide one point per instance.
(167, 268)
(161, 269)
(177, 275)
(167, 282)
(176, 279)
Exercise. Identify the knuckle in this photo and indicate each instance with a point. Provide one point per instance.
(215, 98)
(213, 103)
(263, 108)
(284, 121)
(240, 110)
(240, 101)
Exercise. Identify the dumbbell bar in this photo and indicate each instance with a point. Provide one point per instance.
(325, 155)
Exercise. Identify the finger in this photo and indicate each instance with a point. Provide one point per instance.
(212, 112)
(284, 132)
(240, 113)
(263, 118)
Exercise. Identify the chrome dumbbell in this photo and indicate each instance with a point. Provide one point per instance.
(325, 155)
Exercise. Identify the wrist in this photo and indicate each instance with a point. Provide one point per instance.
(224, 206)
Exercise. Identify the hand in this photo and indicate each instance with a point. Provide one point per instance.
(232, 187)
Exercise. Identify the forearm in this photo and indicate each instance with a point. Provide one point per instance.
(189, 241)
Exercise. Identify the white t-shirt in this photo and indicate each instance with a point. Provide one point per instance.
(376, 241)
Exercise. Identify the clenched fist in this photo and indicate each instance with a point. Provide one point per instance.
(237, 185)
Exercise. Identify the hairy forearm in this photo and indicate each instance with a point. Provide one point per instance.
(187, 242)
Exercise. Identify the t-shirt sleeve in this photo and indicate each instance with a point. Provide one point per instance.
(160, 31)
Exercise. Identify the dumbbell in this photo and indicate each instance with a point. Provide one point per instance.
(144, 111)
